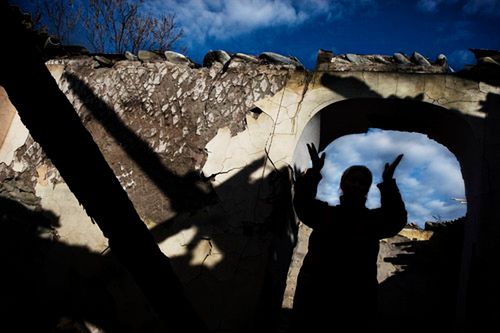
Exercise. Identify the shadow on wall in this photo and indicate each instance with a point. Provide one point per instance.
(67, 287)
(183, 191)
(237, 286)
(245, 268)
(61, 287)
(423, 295)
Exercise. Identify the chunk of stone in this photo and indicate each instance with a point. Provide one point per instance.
(420, 59)
(144, 55)
(488, 60)
(246, 57)
(442, 60)
(103, 61)
(217, 56)
(130, 56)
(280, 59)
(401, 59)
(357, 59)
(178, 58)
(380, 59)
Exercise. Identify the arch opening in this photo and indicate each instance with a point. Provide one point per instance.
(354, 116)
(429, 176)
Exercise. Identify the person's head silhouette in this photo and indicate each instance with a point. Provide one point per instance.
(356, 181)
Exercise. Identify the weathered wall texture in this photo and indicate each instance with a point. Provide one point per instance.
(152, 121)
(205, 155)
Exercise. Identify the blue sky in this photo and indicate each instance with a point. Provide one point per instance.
(429, 175)
(300, 28)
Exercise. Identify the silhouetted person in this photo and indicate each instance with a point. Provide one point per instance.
(337, 284)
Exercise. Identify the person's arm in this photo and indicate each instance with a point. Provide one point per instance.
(310, 210)
(391, 217)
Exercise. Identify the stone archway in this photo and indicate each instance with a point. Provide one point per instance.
(448, 127)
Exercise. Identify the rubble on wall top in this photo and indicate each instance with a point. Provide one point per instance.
(398, 62)
(438, 225)
(212, 57)
(326, 61)
(488, 60)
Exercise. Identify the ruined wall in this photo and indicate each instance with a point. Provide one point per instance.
(152, 121)
(205, 156)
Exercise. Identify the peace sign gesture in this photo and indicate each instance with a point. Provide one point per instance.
(389, 169)
(317, 161)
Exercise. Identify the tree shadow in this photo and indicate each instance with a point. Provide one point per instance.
(183, 191)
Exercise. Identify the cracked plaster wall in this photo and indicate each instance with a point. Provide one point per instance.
(286, 114)
(173, 111)
(203, 121)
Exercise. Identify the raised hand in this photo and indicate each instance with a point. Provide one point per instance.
(317, 161)
(389, 169)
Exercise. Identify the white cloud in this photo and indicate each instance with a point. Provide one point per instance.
(415, 208)
(429, 175)
(223, 19)
(447, 171)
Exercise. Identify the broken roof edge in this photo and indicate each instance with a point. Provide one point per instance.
(398, 62)
(487, 62)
